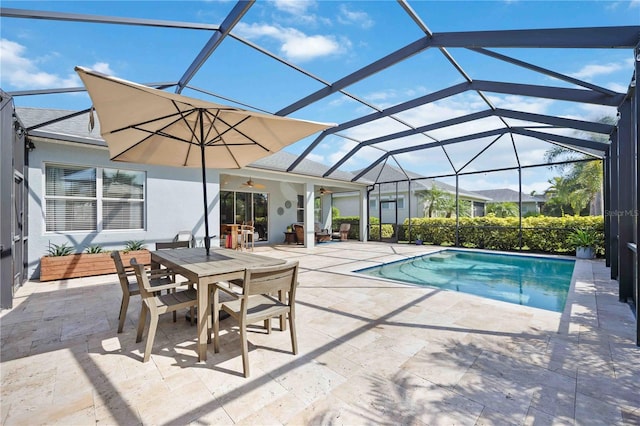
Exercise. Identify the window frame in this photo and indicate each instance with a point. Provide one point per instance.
(98, 199)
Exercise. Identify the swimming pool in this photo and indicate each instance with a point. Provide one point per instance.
(539, 282)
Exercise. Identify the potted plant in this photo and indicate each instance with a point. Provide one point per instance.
(584, 241)
(418, 239)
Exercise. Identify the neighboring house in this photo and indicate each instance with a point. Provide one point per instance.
(78, 196)
(531, 204)
(386, 199)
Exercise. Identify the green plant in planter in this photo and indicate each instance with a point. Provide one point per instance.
(59, 250)
(134, 246)
(94, 249)
(584, 241)
(582, 238)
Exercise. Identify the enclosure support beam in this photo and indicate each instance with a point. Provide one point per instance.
(606, 196)
(613, 204)
(625, 200)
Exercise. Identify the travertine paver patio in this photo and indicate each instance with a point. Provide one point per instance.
(371, 352)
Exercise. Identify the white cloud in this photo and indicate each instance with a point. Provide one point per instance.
(102, 67)
(294, 44)
(594, 70)
(294, 7)
(21, 72)
(354, 17)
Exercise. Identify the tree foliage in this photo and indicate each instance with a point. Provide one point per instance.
(505, 209)
(438, 202)
(579, 182)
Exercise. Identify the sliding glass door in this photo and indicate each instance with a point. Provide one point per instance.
(240, 207)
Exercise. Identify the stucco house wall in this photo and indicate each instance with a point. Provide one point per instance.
(173, 202)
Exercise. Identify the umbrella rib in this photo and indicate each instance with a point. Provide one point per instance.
(234, 127)
(212, 127)
(160, 132)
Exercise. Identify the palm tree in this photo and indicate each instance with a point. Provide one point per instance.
(431, 199)
(505, 209)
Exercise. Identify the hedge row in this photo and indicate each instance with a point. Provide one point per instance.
(539, 234)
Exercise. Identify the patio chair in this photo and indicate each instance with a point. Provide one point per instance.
(175, 244)
(255, 303)
(343, 233)
(299, 230)
(159, 278)
(321, 234)
(156, 304)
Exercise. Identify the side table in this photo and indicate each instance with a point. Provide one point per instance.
(290, 237)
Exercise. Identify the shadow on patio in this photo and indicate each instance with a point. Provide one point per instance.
(370, 352)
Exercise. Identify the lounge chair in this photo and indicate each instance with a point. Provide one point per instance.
(343, 233)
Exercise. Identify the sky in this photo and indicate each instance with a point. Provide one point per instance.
(329, 40)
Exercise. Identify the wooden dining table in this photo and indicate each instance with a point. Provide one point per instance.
(205, 270)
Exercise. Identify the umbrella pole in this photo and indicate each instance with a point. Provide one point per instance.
(207, 241)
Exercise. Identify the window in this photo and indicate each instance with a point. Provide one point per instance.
(373, 204)
(93, 199)
(300, 209)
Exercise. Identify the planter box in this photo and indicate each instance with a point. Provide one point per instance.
(85, 264)
(585, 253)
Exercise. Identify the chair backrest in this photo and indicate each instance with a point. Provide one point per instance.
(299, 230)
(271, 279)
(344, 227)
(122, 273)
(172, 245)
(185, 236)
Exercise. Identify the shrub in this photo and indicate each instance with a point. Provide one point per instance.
(539, 233)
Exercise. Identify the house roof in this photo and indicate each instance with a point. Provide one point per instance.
(388, 173)
(505, 195)
(76, 129)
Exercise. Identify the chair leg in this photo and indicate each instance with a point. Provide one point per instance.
(153, 326)
(245, 348)
(282, 296)
(141, 322)
(124, 305)
(267, 325)
(215, 317)
(292, 328)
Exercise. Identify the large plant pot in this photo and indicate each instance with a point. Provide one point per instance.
(85, 264)
(585, 253)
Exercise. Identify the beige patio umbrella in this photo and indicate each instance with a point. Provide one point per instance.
(145, 125)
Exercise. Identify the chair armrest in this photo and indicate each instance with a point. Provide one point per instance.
(159, 273)
(227, 290)
(172, 286)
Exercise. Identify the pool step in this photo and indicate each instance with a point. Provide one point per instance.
(439, 257)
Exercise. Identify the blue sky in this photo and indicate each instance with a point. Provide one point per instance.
(328, 39)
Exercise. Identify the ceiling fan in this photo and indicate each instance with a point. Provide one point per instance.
(251, 184)
(324, 190)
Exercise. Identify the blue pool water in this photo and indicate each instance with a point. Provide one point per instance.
(526, 280)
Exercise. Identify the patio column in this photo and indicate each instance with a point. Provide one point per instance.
(364, 215)
(309, 220)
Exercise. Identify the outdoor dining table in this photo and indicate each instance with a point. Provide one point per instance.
(205, 270)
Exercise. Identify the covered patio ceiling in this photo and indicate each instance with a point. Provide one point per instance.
(484, 118)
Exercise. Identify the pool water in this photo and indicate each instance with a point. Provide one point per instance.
(526, 280)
